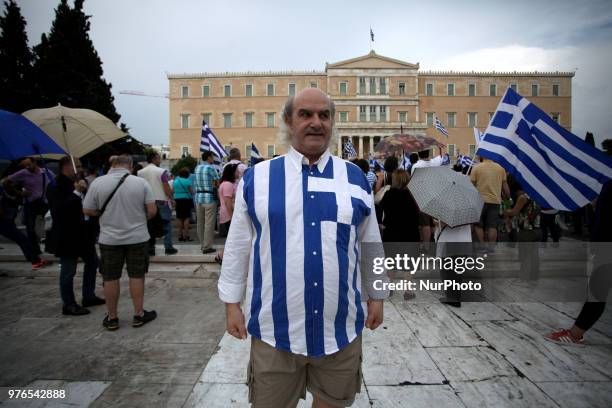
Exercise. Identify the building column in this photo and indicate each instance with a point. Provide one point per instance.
(360, 146)
(367, 85)
(417, 114)
(339, 151)
(367, 108)
(371, 139)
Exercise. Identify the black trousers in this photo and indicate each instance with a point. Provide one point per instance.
(599, 286)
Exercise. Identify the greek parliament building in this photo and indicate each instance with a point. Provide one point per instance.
(375, 96)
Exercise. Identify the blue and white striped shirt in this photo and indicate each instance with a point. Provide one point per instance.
(293, 250)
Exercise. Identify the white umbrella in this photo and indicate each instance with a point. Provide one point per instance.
(77, 131)
(446, 195)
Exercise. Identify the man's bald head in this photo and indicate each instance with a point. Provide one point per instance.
(309, 118)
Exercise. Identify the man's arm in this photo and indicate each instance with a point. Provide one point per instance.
(151, 209)
(235, 267)
(369, 234)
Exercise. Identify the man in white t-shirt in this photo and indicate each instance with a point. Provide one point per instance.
(424, 161)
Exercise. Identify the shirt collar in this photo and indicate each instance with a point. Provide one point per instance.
(118, 170)
(298, 159)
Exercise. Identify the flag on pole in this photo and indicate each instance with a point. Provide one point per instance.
(349, 149)
(209, 142)
(477, 136)
(465, 161)
(254, 154)
(405, 164)
(555, 167)
(440, 127)
(371, 35)
(445, 159)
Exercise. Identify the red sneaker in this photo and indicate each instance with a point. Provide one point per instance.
(564, 337)
(46, 262)
(37, 265)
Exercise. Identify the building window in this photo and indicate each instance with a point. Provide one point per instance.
(270, 119)
(343, 116)
(402, 88)
(185, 151)
(292, 89)
(555, 91)
(383, 113)
(450, 89)
(472, 150)
(555, 116)
(534, 90)
(362, 85)
(343, 88)
(271, 150)
(428, 89)
(452, 148)
(206, 118)
(184, 92)
(472, 90)
(248, 90)
(227, 148)
(227, 120)
(383, 86)
(205, 90)
(491, 116)
(184, 121)
(450, 119)
(313, 84)
(362, 113)
(514, 87)
(227, 90)
(372, 85)
(492, 90)
(270, 90)
(402, 117)
(372, 113)
(472, 119)
(248, 119)
(247, 150)
(430, 118)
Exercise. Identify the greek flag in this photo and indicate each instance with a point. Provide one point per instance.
(405, 164)
(209, 142)
(477, 136)
(464, 161)
(440, 127)
(374, 162)
(556, 168)
(445, 160)
(254, 154)
(349, 149)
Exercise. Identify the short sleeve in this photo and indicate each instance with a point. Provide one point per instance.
(148, 196)
(91, 198)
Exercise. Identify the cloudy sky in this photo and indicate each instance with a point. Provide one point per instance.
(140, 41)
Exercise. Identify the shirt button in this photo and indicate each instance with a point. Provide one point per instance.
(316, 311)
(311, 173)
(315, 283)
(314, 252)
(313, 224)
(312, 196)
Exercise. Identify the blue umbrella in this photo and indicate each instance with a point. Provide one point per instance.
(19, 138)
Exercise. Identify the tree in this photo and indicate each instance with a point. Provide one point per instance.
(67, 67)
(589, 139)
(15, 60)
(187, 161)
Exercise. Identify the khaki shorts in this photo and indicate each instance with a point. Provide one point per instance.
(277, 378)
(134, 256)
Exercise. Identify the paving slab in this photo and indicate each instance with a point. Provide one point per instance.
(422, 396)
(533, 356)
(470, 363)
(508, 392)
(579, 394)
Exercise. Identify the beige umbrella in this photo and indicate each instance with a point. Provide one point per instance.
(77, 131)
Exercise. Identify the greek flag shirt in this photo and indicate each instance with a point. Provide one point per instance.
(292, 253)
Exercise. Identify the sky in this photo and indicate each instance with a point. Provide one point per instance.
(140, 41)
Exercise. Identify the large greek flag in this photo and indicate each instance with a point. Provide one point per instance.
(556, 168)
(210, 142)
